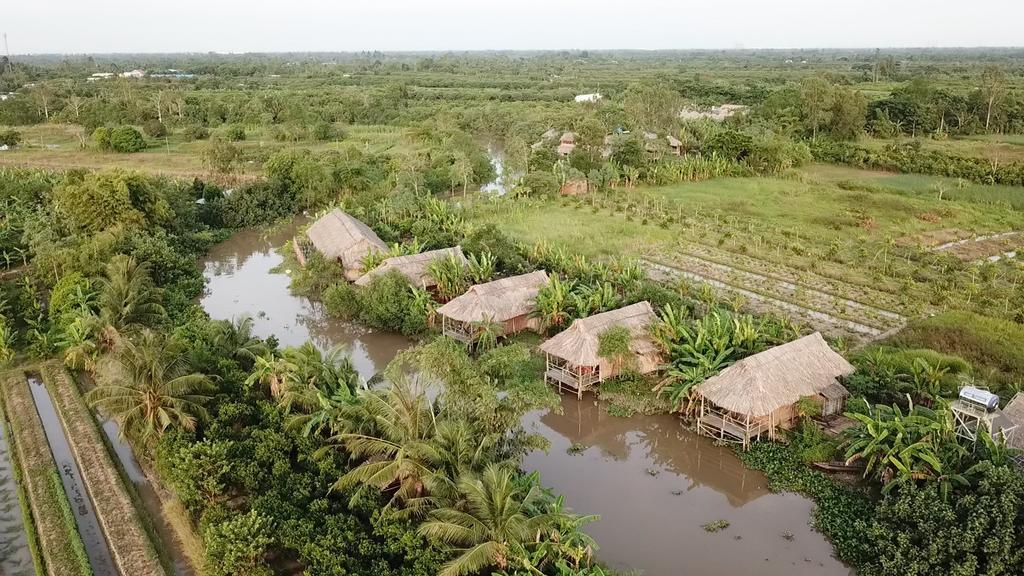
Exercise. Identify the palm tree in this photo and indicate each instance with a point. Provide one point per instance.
(390, 431)
(270, 370)
(149, 388)
(127, 299)
(486, 333)
(493, 526)
(235, 338)
(312, 373)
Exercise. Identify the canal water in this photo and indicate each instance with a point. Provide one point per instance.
(169, 539)
(653, 483)
(15, 555)
(96, 547)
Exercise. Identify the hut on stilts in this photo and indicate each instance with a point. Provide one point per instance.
(510, 302)
(572, 356)
(342, 238)
(759, 394)
(415, 267)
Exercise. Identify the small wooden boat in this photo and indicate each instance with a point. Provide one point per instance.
(839, 466)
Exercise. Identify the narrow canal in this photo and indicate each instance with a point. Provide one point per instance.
(96, 547)
(15, 555)
(151, 501)
(653, 483)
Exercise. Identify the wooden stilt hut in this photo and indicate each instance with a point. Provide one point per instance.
(758, 394)
(572, 356)
(344, 239)
(415, 267)
(510, 302)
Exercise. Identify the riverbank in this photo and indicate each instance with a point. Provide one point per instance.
(648, 477)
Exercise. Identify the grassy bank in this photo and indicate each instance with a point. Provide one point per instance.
(129, 542)
(62, 550)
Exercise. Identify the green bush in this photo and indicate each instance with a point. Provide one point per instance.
(10, 138)
(235, 133)
(154, 129)
(342, 300)
(195, 132)
(124, 139)
(981, 340)
(388, 303)
(323, 131)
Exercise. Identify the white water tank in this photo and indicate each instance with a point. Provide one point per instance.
(980, 397)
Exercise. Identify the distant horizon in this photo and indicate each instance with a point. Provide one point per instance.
(518, 51)
(56, 27)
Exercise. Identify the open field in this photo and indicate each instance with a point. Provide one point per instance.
(62, 549)
(994, 147)
(918, 185)
(129, 543)
(839, 258)
(67, 146)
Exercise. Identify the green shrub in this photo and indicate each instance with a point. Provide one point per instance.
(10, 138)
(125, 139)
(997, 345)
(154, 129)
(195, 132)
(235, 133)
(342, 300)
(388, 304)
(323, 131)
(101, 138)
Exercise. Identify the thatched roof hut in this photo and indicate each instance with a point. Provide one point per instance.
(510, 301)
(759, 393)
(572, 355)
(415, 267)
(341, 237)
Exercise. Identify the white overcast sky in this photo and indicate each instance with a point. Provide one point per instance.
(96, 26)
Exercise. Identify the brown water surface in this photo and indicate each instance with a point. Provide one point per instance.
(653, 483)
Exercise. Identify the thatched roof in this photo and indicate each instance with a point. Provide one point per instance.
(761, 384)
(339, 236)
(497, 301)
(579, 343)
(414, 266)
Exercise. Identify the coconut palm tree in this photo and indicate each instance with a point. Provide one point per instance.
(127, 299)
(389, 431)
(492, 527)
(149, 387)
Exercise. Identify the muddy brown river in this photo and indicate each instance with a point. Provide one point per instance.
(653, 483)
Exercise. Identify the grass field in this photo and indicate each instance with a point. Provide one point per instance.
(918, 185)
(827, 241)
(64, 146)
(999, 147)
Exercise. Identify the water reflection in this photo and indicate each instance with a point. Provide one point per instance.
(100, 557)
(15, 555)
(653, 483)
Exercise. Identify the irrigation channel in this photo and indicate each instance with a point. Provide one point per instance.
(15, 554)
(100, 558)
(653, 483)
(151, 501)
